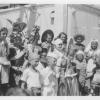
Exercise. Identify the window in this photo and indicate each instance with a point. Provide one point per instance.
(52, 17)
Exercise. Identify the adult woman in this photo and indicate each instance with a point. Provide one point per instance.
(4, 66)
(96, 75)
(90, 53)
(46, 39)
(63, 37)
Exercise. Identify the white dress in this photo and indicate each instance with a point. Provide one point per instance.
(49, 82)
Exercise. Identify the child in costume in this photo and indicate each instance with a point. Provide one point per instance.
(31, 76)
(91, 49)
(71, 81)
(50, 83)
(95, 83)
(81, 70)
(90, 52)
(43, 60)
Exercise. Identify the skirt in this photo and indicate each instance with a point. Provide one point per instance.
(62, 91)
(72, 86)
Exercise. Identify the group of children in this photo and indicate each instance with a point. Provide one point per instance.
(54, 67)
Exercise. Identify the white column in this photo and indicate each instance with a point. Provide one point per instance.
(65, 18)
(32, 19)
(58, 19)
(72, 22)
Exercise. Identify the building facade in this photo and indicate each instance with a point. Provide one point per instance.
(47, 16)
(84, 19)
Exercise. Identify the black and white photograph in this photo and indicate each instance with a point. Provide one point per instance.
(49, 49)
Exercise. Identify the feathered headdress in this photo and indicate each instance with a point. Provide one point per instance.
(19, 26)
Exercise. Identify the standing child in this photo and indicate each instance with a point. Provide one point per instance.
(72, 86)
(31, 76)
(50, 83)
(81, 71)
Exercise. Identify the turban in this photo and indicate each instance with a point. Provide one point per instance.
(58, 41)
(80, 52)
(33, 56)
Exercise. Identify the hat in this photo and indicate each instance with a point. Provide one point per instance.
(76, 36)
(33, 56)
(52, 54)
(80, 52)
(94, 40)
(58, 41)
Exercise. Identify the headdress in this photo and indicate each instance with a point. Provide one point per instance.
(19, 26)
(58, 41)
(33, 56)
(79, 35)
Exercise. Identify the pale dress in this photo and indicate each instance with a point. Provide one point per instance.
(49, 82)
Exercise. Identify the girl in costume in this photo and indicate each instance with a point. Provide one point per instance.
(50, 83)
(95, 83)
(72, 86)
(31, 76)
(90, 52)
(91, 49)
(81, 71)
